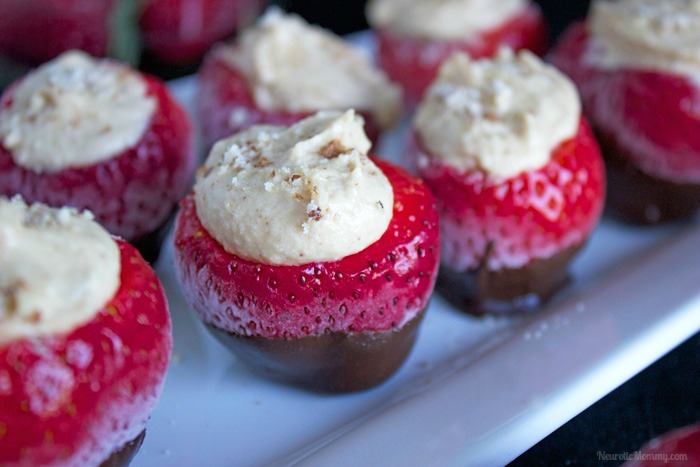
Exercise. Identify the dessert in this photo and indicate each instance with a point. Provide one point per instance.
(282, 70)
(84, 345)
(517, 175)
(94, 134)
(628, 57)
(415, 36)
(679, 447)
(308, 259)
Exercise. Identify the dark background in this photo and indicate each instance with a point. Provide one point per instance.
(344, 16)
(664, 396)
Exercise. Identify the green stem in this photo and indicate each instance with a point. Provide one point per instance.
(124, 36)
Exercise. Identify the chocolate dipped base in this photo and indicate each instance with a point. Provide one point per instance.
(123, 456)
(336, 362)
(636, 197)
(485, 291)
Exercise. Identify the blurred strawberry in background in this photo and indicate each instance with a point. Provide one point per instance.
(35, 31)
(168, 32)
(181, 31)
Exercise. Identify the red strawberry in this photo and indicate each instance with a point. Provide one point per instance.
(74, 399)
(225, 103)
(415, 62)
(175, 32)
(131, 194)
(677, 448)
(653, 157)
(34, 31)
(493, 229)
(372, 295)
(179, 32)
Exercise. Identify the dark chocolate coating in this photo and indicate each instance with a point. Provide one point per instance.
(336, 362)
(485, 291)
(639, 198)
(123, 456)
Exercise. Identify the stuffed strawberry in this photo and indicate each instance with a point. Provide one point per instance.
(415, 36)
(97, 135)
(311, 261)
(282, 70)
(517, 174)
(636, 66)
(84, 345)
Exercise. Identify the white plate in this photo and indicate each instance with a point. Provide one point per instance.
(473, 392)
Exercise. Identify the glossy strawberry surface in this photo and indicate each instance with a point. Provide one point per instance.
(508, 223)
(653, 118)
(377, 289)
(414, 63)
(181, 31)
(73, 399)
(225, 104)
(677, 448)
(35, 31)
(132, 193)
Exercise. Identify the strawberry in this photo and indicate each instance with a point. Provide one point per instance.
(173, 32)
(494, 230)
(36, 31)
(370, 296)
(76, 398)
(414, 63)
(225, 104)
(179, 32)
(133, 193)
(678, 447)
(652, 157)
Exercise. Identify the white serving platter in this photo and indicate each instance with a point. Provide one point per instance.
(473, 392)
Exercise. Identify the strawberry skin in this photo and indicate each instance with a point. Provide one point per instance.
(508, 224)
(679, 447)
(131, 194)
(34, 31)
(662, 142)
(653, 156)
(176, 32)
(225, 104)
(377, 289)
(179, 32)
(414, 63)
(74, 399)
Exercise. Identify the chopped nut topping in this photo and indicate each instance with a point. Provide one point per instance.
(314, 211)
(332, 150)
(260, 162)
(8, 302)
